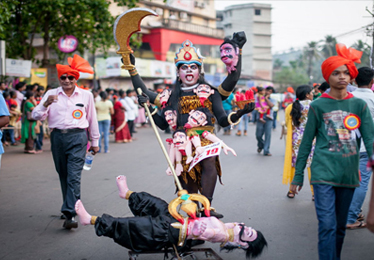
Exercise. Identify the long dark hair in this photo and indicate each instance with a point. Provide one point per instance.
(301, 93)
(254, 248)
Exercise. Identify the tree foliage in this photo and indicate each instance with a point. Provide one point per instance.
(88, 20)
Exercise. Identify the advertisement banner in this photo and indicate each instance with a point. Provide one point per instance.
(111, 67)
(18, 68)
(39, 76)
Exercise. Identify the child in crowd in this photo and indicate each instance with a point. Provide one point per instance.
(261, 105)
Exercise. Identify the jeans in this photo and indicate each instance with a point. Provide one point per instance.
(39, 139)
(332, 204)
(360, 192)
(255, 116)
(227, 128)
(9, 132)
(104, 127)
(275, 114)
(243, 121)
(264, 129)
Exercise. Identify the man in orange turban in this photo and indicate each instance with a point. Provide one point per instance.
(71, 111)
(337, 121)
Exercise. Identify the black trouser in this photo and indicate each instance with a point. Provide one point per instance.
(68, 151)
(150, 228)
(131, 125)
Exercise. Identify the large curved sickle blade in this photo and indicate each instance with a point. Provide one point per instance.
(128, 23)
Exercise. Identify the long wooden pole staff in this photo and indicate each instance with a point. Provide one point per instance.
(161, 143)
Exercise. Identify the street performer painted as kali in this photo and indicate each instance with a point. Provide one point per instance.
(184, 98)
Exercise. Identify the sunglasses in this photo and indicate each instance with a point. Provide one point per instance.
(69, 77)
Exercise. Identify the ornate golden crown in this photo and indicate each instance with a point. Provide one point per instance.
(187, 54)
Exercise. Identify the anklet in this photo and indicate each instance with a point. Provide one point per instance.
(128, 193)
(93, 220)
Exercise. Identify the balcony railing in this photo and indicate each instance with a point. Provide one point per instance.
(192, 28)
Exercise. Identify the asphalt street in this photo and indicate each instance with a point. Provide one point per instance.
(30, 201)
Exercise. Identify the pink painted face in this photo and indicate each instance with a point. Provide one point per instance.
(249, 235)
(164, 96)
(171, 117)
(197, 118)
(189, 74)
(179, 139)
(203, 90)
(228, 54)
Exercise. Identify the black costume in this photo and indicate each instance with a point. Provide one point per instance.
(150, 229)
(203, 176)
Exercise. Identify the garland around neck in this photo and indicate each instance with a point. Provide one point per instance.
(189, 88)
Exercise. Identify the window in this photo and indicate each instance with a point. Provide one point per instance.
(257, 11)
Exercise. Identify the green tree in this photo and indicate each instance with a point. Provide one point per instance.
(88, 20)
(328, 48)
(311, 54)
(290, 76)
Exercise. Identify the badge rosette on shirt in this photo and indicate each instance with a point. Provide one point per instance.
(77, 114)
(352, 122)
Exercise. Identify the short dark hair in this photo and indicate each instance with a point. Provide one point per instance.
(129, 91)
(103, 95)
(121, 92)
(365, 75)
(324, 86)
(271, 88)
(20, 85)
(40, 88)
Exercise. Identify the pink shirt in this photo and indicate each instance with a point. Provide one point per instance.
(76, 111)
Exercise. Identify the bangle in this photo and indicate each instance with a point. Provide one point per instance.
(178, 162)
(44, 104)
(133, 72)
(229, 119)
(154, 111)
(240, 51)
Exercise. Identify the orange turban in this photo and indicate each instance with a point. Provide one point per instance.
(76, 64)
(345, 57)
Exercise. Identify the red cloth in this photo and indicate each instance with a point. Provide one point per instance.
(326, 95)
(249, 94)
(345, 57)
(117, 120)
(76, 64)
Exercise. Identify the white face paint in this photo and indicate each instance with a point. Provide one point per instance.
(189, 74)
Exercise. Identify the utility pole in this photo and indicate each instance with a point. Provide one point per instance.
(371, 33)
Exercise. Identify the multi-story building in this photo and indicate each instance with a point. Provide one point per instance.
(255, 20)
(162, 36)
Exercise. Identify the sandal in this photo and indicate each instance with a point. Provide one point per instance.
(290, 195)
(361, 217)
(356, 225)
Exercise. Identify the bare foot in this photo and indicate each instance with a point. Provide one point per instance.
(84, 217)
(122, 186)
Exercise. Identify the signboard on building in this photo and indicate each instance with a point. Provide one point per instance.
(67, 43)
(111, 67)
(39, 76)
(18, 68)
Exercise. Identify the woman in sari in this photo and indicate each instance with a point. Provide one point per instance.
(28, 126)
(296, 119)
(121, 129)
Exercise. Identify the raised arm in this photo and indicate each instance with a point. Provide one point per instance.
(228, 85)
(137, 82)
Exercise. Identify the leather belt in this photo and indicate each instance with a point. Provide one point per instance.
(68, 131)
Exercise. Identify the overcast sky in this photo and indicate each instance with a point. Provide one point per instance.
(294, 23)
